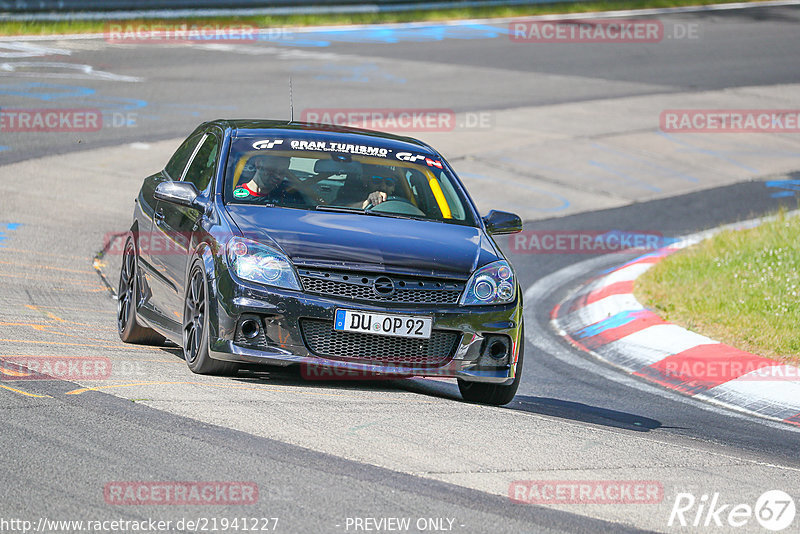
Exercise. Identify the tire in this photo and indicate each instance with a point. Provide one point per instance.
(128, 327)
(195, 327)
(494, 394)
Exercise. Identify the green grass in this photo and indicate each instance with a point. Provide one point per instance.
(739, 287)
(89, 26)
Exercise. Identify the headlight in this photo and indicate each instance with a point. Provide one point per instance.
(492, 284)
(262, 264)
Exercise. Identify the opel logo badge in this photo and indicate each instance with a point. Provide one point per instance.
(383, 286)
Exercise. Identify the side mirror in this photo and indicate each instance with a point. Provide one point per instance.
(180, 193)
(502, 222)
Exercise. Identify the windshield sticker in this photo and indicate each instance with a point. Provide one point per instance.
(325, 146)
(433, 163)
(267, 143)
(412, 158)
(241, 192)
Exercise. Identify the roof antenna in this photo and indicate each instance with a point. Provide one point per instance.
(291, 101)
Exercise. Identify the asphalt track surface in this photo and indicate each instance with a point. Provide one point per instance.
(324, 452)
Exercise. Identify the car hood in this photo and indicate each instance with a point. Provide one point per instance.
(356, 241)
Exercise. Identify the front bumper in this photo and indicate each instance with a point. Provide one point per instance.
(280, 312)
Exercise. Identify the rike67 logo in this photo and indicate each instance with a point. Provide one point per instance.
(774, 510)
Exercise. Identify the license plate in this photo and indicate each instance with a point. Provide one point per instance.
(383, 324)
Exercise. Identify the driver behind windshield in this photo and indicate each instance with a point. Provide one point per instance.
(269, 179)
(384, 188)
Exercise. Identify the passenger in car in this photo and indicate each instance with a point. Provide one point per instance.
(352, 192)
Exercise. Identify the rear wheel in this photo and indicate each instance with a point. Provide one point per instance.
(129, 329)
(195, 327)
(494, 394)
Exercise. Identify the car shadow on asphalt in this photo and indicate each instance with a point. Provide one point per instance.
(171, 348)
(562, 409)
(293, 376)
(584, 413)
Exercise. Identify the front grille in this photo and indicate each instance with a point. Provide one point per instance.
(360, 286)
(322, 340)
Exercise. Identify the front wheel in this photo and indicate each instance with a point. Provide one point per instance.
(494, 394)
(195, 327)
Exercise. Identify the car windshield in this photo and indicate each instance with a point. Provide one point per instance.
(331, 176)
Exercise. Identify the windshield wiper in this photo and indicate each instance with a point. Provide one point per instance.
(343, 209)
(394, 215)
(347, 209)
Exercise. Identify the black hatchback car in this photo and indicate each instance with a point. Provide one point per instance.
(288, 243)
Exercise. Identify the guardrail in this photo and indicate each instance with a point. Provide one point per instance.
(276, 7)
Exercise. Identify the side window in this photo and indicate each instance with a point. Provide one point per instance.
(201, 169)
(181, 156)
